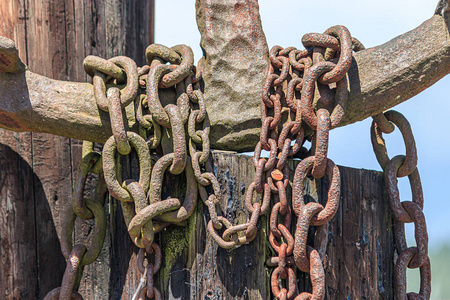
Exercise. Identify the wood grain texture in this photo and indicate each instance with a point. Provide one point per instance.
(18, 260)
(361, 247)
(53, 38)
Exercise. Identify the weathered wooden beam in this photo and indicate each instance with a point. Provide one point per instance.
(380, 78)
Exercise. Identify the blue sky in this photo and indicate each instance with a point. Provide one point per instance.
(373, 23)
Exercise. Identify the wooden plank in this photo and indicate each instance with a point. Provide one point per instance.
(46, 34)
(18, 265)
(18, 262)
(53, 37)
(361, 247)
(360, 251)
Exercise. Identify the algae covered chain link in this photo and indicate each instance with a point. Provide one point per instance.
(117, 83)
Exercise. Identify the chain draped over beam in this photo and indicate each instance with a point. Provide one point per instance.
(379, 78)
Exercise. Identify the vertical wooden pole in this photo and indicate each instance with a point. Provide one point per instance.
(37, 169)
(18, 261)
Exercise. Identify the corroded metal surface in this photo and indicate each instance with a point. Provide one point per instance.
(309, 68)
(235, 65)
(271, 178)
(9, 57)
(234, 73)
(405, 211)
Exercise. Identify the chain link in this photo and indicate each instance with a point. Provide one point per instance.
(405, 211)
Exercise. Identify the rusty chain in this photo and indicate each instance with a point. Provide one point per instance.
(324, 64)
(405, 211)
(326, 61)
(168, 101)
(81, 255)
(166, 95)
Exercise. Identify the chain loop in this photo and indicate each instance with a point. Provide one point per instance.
(98, 234)
(178, 138)
(402, 263)
(420, 233)
(393, 194)
(331, 207)
(301, 233)
(88, 163)
(69, 283)
(379, 145)
(92, 63)
(182, 70)
(154, 104)
(109, 166)
(320, 156)
(405, 211)
(159, 51)
(146, 215)
(101, 69)
(186, 210)
(54, 295)
(117, 125)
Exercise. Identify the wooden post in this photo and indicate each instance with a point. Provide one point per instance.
(360, 252)
(53, 38)
(36, 183)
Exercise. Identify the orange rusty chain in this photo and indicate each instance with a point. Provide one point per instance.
(170, 107)
(324, 65)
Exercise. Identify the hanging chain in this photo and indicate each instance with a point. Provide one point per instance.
(168, 100)
(166, 95)
(81, 255)
(405, 211)
(324, 64)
